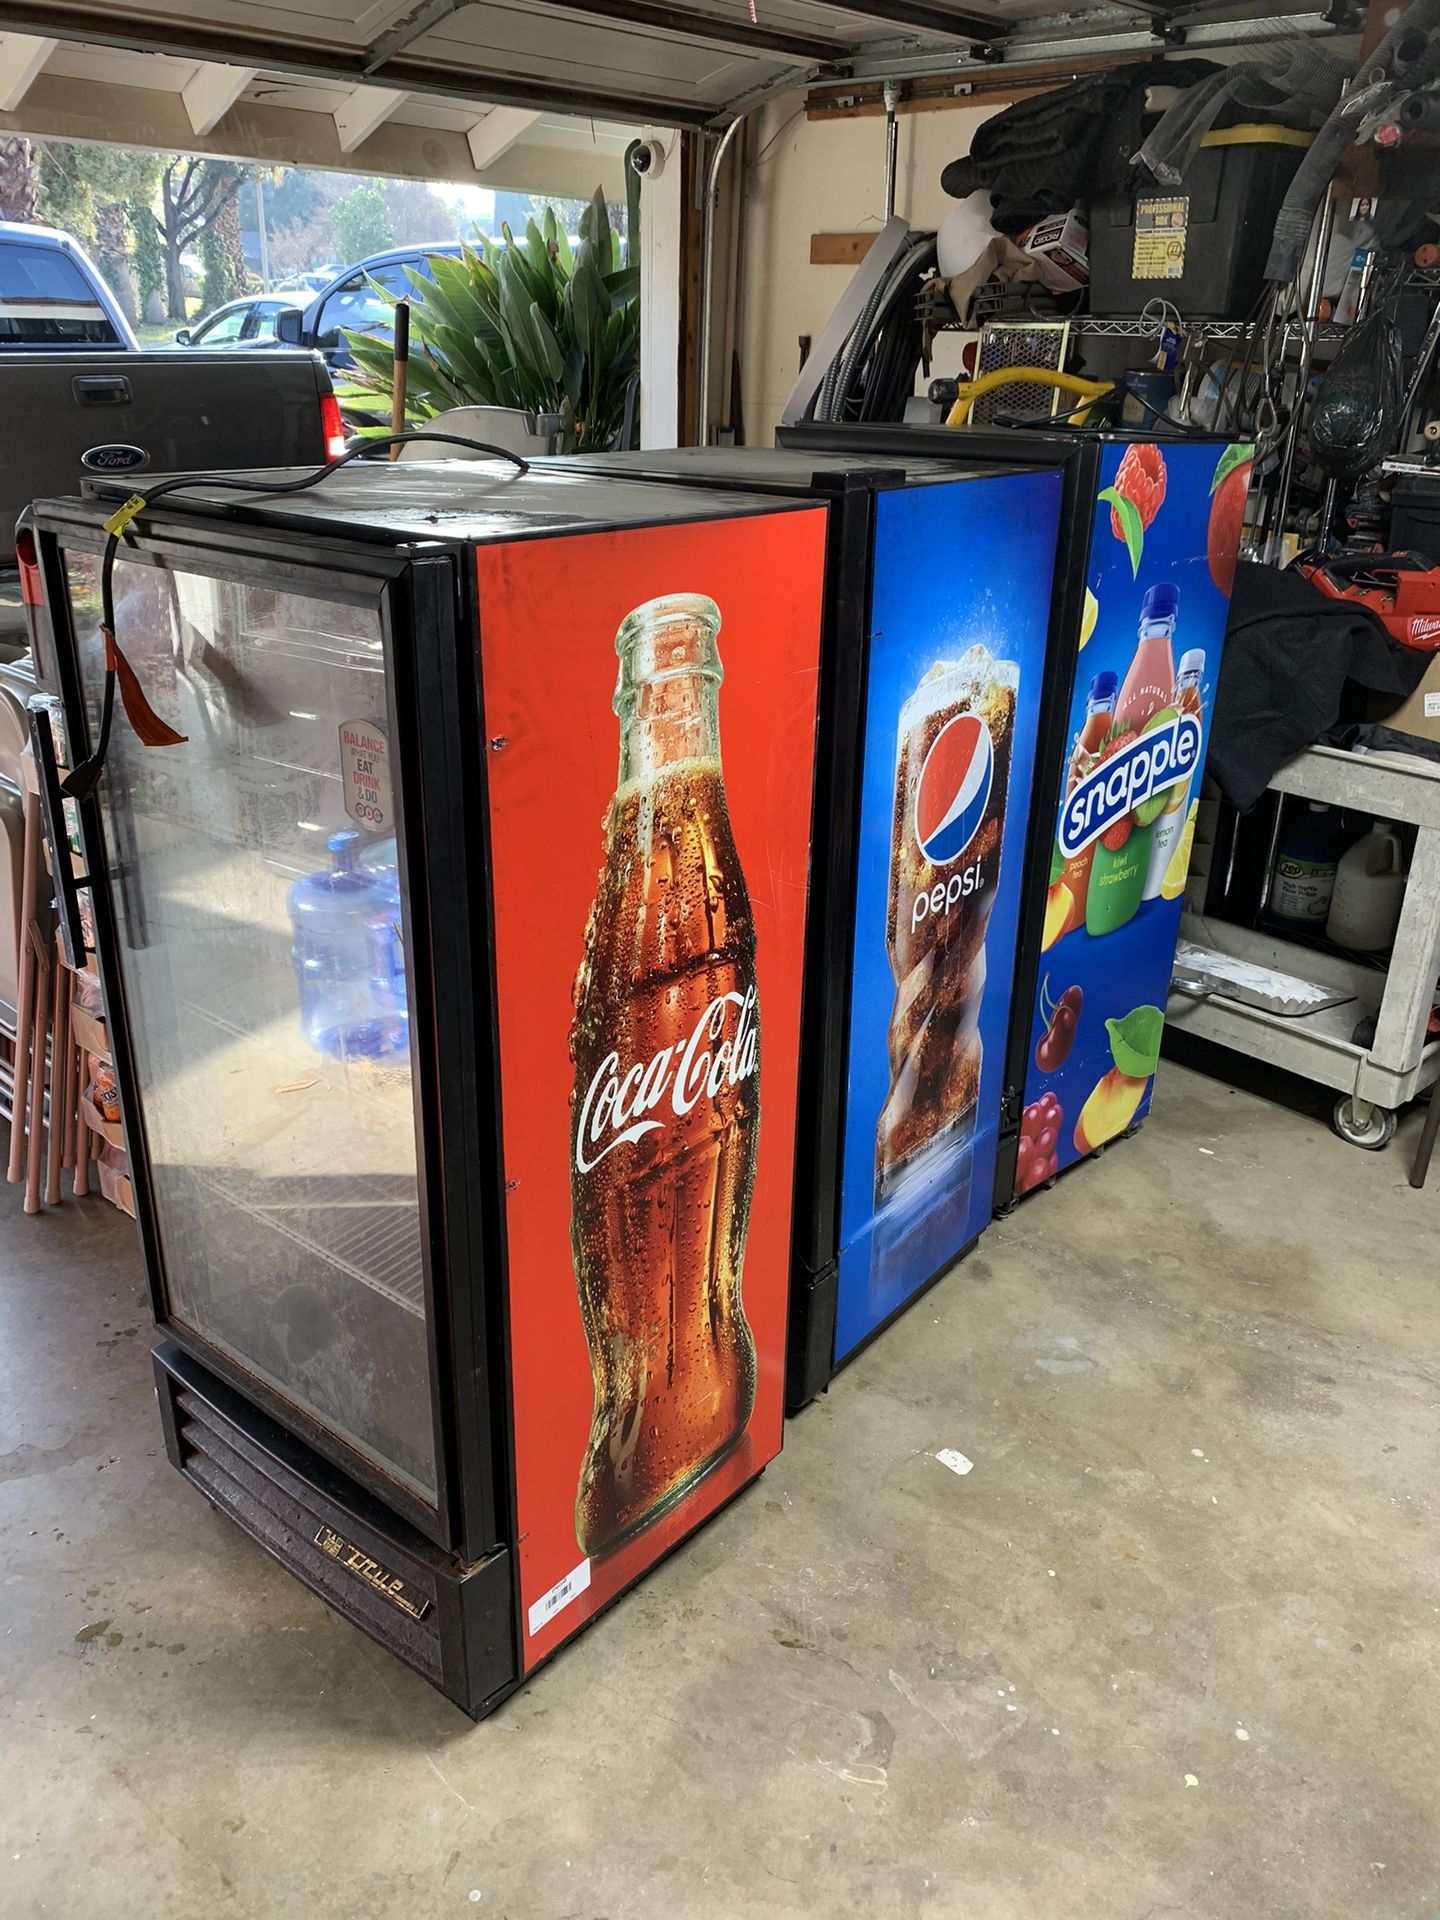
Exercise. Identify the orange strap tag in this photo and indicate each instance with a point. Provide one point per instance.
(150, 729)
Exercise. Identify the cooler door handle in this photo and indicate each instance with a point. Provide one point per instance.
(52, 803)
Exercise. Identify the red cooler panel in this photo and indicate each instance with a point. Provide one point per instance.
(648, 1105)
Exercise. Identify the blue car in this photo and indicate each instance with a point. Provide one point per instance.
(350, 301)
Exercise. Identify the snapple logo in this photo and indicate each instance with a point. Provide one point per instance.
(1156, 760)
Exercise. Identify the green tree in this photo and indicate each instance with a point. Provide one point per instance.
(19, 179)
(89, 191)
(194, 193)
(148, 256)
(362, 222)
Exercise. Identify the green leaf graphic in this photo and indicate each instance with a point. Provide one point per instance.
(1135, 1041)
(1057, 863)
(1131, 525)
(1233, 456)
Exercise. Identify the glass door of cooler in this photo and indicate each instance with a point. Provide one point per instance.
(256, 890)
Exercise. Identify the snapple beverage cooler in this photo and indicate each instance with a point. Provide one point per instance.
(933, 670)
(1148, 546)
(453, 965)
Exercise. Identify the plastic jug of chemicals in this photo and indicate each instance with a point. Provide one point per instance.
(1369, 891)
(1302, 879)
(330, 915)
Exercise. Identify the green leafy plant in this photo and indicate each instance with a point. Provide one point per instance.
(529, 323)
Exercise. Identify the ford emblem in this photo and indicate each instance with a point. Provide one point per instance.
(116, 459)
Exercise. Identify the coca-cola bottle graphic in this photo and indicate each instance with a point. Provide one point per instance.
(665, 1113)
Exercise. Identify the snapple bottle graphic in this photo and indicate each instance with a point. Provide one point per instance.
(1171, 824)
(1099, 717)
(952, 776)
(1122, 853)
(665, 1112)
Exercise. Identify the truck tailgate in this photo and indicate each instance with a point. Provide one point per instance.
(69, 414)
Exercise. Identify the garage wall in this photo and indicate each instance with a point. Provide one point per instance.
(824, 176)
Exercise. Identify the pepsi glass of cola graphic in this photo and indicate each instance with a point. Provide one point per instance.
(665, 1116)
(952, 775)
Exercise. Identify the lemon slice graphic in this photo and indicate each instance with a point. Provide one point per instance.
(1173, 885)
(1088, 618)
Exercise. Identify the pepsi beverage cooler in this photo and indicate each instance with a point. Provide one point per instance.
(453, 955)
(1148, 547)
(934, 662)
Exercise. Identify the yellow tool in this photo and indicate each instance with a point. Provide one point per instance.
(970, 391)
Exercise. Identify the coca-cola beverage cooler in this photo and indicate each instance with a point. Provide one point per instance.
(1149, 535)
(936, 701)
(453, 958)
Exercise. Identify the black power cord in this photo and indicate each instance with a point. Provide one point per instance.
(152, 730)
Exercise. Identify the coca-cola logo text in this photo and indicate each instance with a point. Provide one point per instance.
(616, 1103)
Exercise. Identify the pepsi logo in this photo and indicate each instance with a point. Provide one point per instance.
(954, 789)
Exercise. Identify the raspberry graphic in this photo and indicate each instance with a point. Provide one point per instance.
(1114, 839)
(1142, 479)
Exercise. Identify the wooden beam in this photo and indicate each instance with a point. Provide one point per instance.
(840, 249)
(497, 133)
(210, 93)
(983, 87)
(22, 57)
(365, 110)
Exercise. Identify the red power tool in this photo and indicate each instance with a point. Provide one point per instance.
(1401, 589)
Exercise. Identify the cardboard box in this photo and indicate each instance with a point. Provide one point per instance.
(1420, 713)
(1060, 247)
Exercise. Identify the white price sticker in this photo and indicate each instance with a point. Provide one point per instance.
(1432, 706)
(365, 774)
(560, 1595)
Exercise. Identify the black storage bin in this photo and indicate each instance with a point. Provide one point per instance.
(1415, 515)
(1200, 245)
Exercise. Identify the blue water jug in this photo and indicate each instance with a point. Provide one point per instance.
(386, 928)
(330, 915)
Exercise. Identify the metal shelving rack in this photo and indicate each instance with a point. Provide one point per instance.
(1372, 1081)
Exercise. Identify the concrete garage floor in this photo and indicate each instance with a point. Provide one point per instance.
(1172, 1647)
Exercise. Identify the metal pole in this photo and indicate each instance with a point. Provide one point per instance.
(707, 275)
(1315, 292)
(892, 144)
(1332, 487)
(264, 237)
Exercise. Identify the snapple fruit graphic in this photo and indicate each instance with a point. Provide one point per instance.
(1059, 903)
(1178, 871)
(1228, 492)
(1115, 1099)
(1035, 1157)
(1088, 617)
(1136, 497)
(1061, 1018)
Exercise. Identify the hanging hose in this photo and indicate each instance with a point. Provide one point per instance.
(1412, 35)
(890, 348)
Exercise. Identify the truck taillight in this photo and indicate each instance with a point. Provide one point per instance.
(332, 426)
(27, 556)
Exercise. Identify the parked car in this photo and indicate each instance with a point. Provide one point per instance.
(239, 323)
(311, 282)
(51, 296)
(351, 301)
